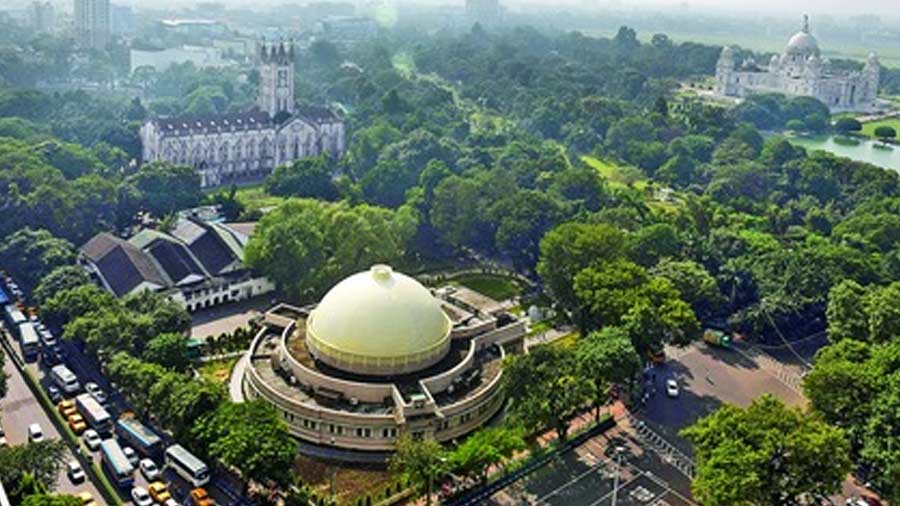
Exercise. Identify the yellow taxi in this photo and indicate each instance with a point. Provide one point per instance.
(77, 423)
(159, 492)
(67, 408)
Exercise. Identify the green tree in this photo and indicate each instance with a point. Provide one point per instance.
(51, 500)
(846, 312)
(31, 254)
(766, 455)
(165, 188)
(421, 461)
(569, 248)
(306, 246)
(695, 284)
(486, 447)
(885, 133)
(250, 436)
(68, 304)
(842, 386)
(654, 242)
(169, 350)
(310, 177)
(61, 278)
(544, 388)
(42, 461)
(606, 358)
(847, 125)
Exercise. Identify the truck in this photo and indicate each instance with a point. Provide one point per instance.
(94, 414)
(716, 337)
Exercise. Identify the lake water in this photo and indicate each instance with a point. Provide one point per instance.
(855, 149)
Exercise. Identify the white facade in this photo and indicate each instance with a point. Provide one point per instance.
(800, 71)
(92, 20)
(247, 146)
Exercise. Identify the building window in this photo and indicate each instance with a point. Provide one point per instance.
(363, 432)
(389, 432)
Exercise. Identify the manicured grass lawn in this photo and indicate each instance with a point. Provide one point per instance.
(255, 197)
(617, 175)
(496, 287)
(218, 371)
(869, 128)
(350, 483)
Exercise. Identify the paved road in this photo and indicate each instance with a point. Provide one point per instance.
(20, 409)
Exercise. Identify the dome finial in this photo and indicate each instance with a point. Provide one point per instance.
(805, 23)
(381, 272)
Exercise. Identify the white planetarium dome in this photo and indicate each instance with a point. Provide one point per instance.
(378, 322)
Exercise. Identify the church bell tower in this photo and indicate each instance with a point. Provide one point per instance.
(276, 78)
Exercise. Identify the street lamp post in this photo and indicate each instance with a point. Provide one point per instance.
(618, 459)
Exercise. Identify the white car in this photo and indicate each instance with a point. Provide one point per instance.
(130, 455)
(92, 440)
(96, 392)
(672, 388)
(171, 502)
(35, 433)
(149, 470)
(75, 472)
(141, 497)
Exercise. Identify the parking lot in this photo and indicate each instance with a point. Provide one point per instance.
(586, 476)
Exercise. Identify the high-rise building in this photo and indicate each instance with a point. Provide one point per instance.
(92, 23)
(121, 18)
(43, 17)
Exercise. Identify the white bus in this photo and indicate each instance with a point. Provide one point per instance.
(95, 414)
(189, 467)
(28, 336)
(65, 379)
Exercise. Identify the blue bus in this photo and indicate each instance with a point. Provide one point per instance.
(138, 435)
(116, 464)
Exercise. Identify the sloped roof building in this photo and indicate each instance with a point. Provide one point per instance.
(197, 263)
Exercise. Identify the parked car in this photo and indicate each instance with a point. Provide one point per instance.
(672, 388)
(87, 499)
(50, 358)
(159, 492)
(54, 394)
(199, 497)
(96, 392)
(75, 472)
(35, 433)
(67, 408)
(140, 497)
(130, 455)
(77, 423)
(92, 440)
(149, 469)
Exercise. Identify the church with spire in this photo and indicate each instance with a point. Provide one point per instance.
(247, 146)
(800, 71)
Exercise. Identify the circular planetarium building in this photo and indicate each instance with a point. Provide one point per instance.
(379, 356)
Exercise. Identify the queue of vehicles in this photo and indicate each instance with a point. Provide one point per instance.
(85, 410)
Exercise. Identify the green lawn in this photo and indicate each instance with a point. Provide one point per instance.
(496, 287)
(617, 175)
(869, 128)
(255, 197)
(218, 371)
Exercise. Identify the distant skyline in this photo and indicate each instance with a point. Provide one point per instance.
(885, 9)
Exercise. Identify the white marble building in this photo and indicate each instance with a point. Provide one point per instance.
(247, 146)
(800, 71)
